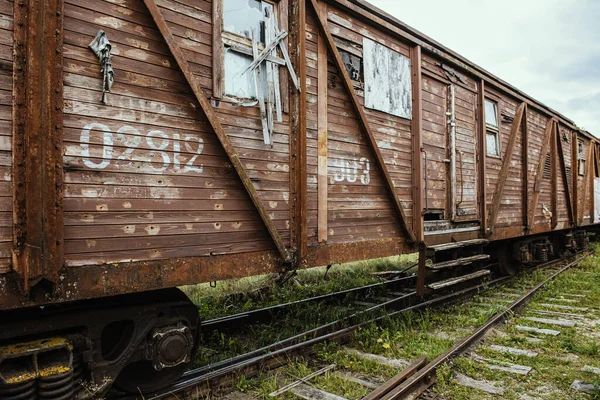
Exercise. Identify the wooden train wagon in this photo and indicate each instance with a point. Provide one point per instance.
(146, 144)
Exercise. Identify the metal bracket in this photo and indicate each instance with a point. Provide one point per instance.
(101, 48)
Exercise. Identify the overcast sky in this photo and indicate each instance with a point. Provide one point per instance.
(550, 49)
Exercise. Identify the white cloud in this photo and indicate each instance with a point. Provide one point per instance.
(549, 49)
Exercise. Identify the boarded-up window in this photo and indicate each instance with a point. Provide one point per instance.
(492, 132)
(388, 86)
(237, 84)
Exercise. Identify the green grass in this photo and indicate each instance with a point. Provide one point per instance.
(429, 333)
(245, 294)
(561, 358)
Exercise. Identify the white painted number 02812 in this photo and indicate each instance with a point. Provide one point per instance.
(157, 141)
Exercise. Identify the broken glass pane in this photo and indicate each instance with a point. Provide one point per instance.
(353, 65)
(241, 85)
(491, 113)
(242, 16)
(237, 85)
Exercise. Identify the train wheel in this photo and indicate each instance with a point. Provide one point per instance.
(141, 377)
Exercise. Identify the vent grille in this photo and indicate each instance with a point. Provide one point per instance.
(547, 167)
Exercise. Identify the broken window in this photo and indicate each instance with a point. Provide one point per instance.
(237, 84)
(352, 58)
(492, 132)
(248, 21)
(242, 17)
(353, 65)
(388, 85)
(252, 54)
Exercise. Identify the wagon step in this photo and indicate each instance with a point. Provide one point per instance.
(457, 245)
(459, 279)
(458, 262)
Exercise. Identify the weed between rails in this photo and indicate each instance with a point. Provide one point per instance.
(429, 333)
(235, 296)
(560, 358)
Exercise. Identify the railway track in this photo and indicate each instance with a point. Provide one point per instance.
(267, 313)
(415, 379)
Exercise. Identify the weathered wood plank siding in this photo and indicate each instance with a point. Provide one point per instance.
(166, 188)
(359, 206)
(6, 102)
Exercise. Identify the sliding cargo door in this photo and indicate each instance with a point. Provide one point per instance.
(435, 153)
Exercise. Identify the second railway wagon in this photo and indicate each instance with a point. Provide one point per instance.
(146, 144)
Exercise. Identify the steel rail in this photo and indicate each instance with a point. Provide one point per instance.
(280, 351)
(424, 378)
(223, 323)
(283, 349)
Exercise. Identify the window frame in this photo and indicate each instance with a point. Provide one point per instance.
(223, 38)
(491, 128)
(581, 158)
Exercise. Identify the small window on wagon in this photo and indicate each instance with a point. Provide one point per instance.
(243, 19)
(492, 131)
(580, 158)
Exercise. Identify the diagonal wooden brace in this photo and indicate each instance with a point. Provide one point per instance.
(563, 169)
(213, 119)
(512, 141)
(322, 20)
(540, 171)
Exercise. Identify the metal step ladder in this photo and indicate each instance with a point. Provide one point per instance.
(445, 265)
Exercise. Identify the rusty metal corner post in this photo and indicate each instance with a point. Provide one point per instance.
(554, 179)
(298, 166)
(362, 117)
(525, 171)
(38, 142)
(215, 123)
(417, 143)
(482, 156)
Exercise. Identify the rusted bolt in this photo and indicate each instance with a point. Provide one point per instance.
(21, 4)
(20, 23)
(58, 242)
(57, 51)
(58, 13)
(19, 143)
(19, 43)
(58, 108)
